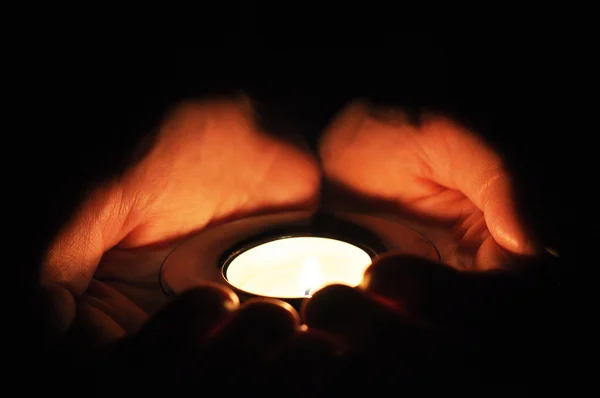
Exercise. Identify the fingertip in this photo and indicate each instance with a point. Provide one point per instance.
(491, 256)
(192, 315)
(395, 262)
(60, 307)
(508, 229)
(248, 338)
(272, 309)
(403, 278)
(230, 299)
(333, 306)
(208, 293)
(307, 305)
(364, 326)
(273, 319)
(421, 289)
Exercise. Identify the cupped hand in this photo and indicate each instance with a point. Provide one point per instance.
(430, 169)
(209, 162)
(205, 340)
(417, 322)
(465, 320)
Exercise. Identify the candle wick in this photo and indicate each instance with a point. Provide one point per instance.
(307, 292)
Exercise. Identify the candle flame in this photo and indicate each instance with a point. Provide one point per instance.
(311, 278)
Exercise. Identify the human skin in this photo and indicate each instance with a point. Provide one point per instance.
(211, 162)
(434, 169)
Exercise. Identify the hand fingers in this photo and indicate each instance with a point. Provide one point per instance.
(440, 295)
(258, 326)
(434, 168)
(97, 225)
(188, 321)
(201, 335)
(165, 346)
(426, 319)
(465, 162)
(385, 343)
(423, 289)
(181, 328)
(236, 346)
(490, 255)
(239, 350)
(351, 315)
(495, 316)
(59, 308)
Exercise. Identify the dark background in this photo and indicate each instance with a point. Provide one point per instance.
(90, 105)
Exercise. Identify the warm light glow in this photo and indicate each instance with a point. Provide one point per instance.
(297, 267)
(312, 278)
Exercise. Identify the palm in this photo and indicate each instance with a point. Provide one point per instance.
(208, 164)
(435, 172)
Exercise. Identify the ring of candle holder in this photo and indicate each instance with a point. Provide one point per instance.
(206, 256)
(322, 226)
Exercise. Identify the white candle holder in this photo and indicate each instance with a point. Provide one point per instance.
(288, 255)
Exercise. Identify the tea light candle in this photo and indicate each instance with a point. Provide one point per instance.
(296, 267)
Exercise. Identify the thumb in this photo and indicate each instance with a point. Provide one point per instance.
(468, 164)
